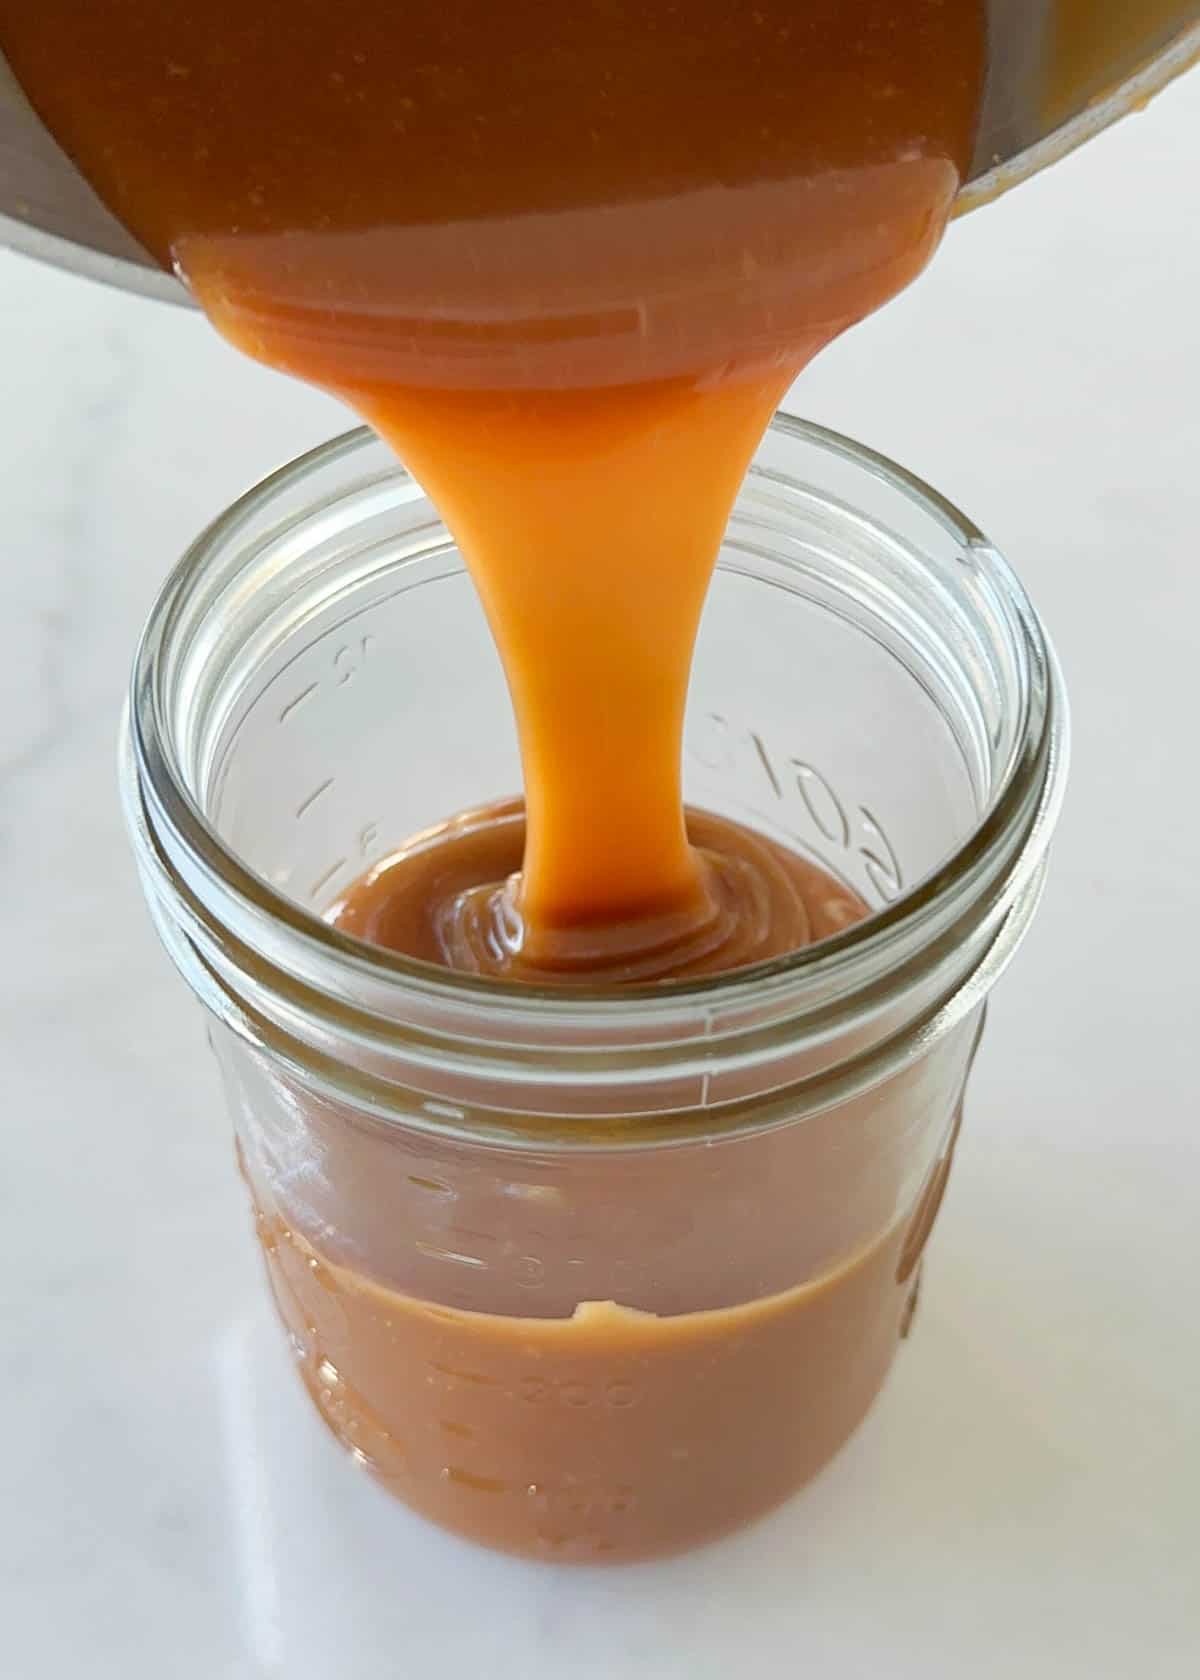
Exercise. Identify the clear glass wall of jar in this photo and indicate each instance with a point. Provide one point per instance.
(594, 1275)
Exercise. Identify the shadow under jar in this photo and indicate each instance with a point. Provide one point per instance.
(594, 1275)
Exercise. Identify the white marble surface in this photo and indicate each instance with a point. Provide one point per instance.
(1024, 1499)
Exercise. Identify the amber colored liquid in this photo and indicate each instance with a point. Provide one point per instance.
(445, 898)
(603, 1437)
(613, 1434)
(567, 258)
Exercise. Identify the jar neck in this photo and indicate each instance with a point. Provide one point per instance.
(399, 1039)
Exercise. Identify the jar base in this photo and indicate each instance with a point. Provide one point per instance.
(609, 1436)
(581, 1550)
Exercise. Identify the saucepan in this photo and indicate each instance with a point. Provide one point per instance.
(1060, 71)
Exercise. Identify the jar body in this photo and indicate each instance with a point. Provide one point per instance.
(594, 1277)
(601, 1355)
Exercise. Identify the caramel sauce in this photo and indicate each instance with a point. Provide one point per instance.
(450, 897)
(567, 259)
(603, 1437)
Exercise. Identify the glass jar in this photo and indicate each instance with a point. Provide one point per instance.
(594, 1274)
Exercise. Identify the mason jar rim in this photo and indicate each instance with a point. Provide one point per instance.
(600, 1035)
(1040, 735)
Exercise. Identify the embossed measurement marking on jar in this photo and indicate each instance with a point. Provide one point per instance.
(298, 700)
(456, 1373)
(345, 664)
(368, 838)
(324, 880)
(307, 803)
(541, 1391)
(476, 1483)
(849, 827)
(452, 1256)
(435, 1186)
(582, 1497)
